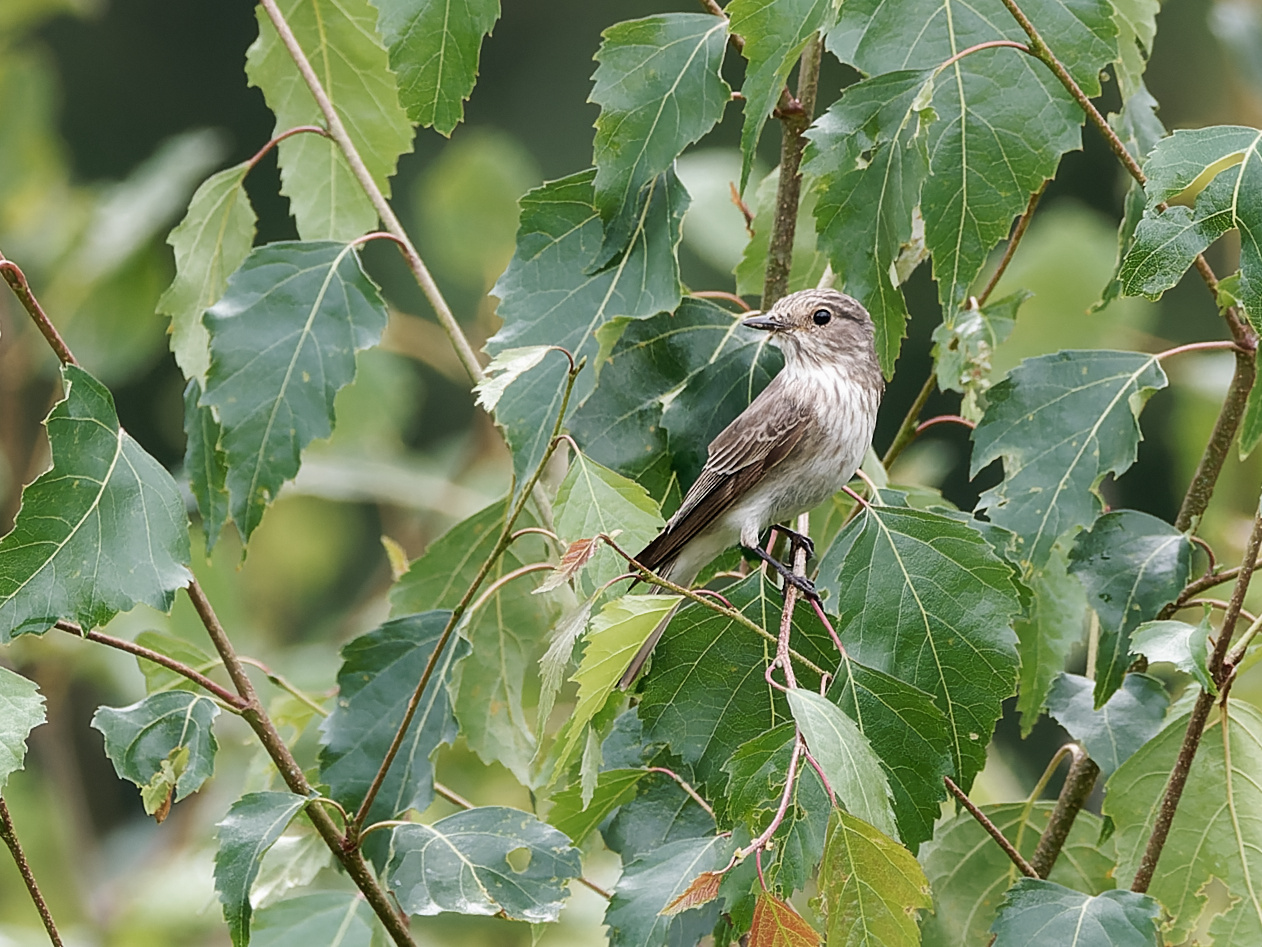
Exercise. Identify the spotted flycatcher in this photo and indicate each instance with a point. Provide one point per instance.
(798, 443)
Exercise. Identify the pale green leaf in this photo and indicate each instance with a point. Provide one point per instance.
(21, 711)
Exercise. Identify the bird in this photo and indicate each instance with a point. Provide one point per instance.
(798, 443)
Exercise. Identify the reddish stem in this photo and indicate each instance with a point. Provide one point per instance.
(16, 279)
(297, 130)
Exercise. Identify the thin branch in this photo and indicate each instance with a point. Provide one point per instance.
(991, 44)
(907, 430)
(289, 133)
(991, 829)
(1218, 604)
(1216, 345)
(285, 685)
(719, 294)
(16, 279)
(761, 842)
(509, 577)
(683, 784)
(1023, 224)
(944, 419)
(1201, 489)
(1220, 674)
(10, 836)
(1079, 782)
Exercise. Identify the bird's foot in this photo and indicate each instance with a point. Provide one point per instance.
(797, 540)
(803, 585)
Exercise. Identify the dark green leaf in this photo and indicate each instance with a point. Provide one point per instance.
(1061, 423)
(379, 672)
(660, 813)
(659, 90)
(211, 241)
(206, 464)
(1130, 718)
(550, 299)
(341, 38)
(461, 864)
(923, 597)
(335, 918)
(102, 531)
(1132, 565)
(254, 822)
(434, 47)
(871, 887)
(613, 788)
(1035, 911)
(654, 879)
(1051, 627)
(1178, 643)
(21, 711)
(775, 33)
(141, 738)
(283, 340)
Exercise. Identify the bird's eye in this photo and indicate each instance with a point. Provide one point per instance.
(821, 317)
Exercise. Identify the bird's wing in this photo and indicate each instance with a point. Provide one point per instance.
(761, 437)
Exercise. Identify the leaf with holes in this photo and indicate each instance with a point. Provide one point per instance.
(340, 40)
(283, 340)
(251, 826)
(102, 531)
(1035, 910)
(469, 863)
(963, 345)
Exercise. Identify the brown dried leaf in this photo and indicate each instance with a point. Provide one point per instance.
(776, 924)
(705, 887)
(576, 556)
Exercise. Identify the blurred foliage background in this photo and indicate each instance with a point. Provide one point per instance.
(114, 110)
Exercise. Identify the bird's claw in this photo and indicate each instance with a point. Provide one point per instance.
(803, 585)
(797, 539)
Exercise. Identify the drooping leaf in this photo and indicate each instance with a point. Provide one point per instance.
(495, 688)
(380, 671)
(652, 881)
(871, 887)
(21, 711)
(659, 90)
(963, 345)
(969, 872)
(776, 924)
(434, 47)
(1221, 169)
(1003, 120)
(254, 822)
(1061, 423)
(593, 499)
(549, 298)
(205, 462)
(1178, 643)
(808, 262)
(1038, 911)
(846, 757)
(211, 241)
(613, 788)
(1136, 28)
(1128, 720)
(102, 531)
(340, 918)
(1055, 622)
(340, 40)
(1217, 829)
(1132, 565)
(923, 597)
(775, 33)
(283, 340)
(461, 863)
(143, 736)
(869, 152)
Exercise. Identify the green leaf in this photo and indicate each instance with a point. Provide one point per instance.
(1132, 565)
(653, 880)
(775, 33)
(923, 597)
(336, 918)
(615, 636)
(1131, 717)
(1178, 643)
(1136, 22)
(963, 345)
(1052, 625)
(720, 365)
(283, 341)
(613, 788)
(910, 738)
(1221, 169)
(549, 298)
(461, 863)
(1003, 119)
(496, 687)
(1251, 423)
(706, 693)
(380, 671)
(205, 462)
(870, 155)
(254, 822)
(846, 757)
(21, 711)
(1038, 911)
(807, 267)
(871, 887)
(294, 861)
(102, 531)
(340, 40)
(434, 47)
(593, 499)
(140, 738)
(659, 90)
(211, 241)
(969, 872)
(1217, 829)
(1061, 423)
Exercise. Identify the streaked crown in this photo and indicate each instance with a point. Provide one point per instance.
(820, 327)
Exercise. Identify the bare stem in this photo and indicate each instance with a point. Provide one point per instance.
(1023, 224)
(685, 786)
(10, 836)
(288, 133)
(993, 830)
(16, 279)
(1079, 782)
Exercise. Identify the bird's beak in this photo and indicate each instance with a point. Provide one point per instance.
(763, 321)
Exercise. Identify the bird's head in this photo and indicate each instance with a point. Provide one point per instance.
(819, 328)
